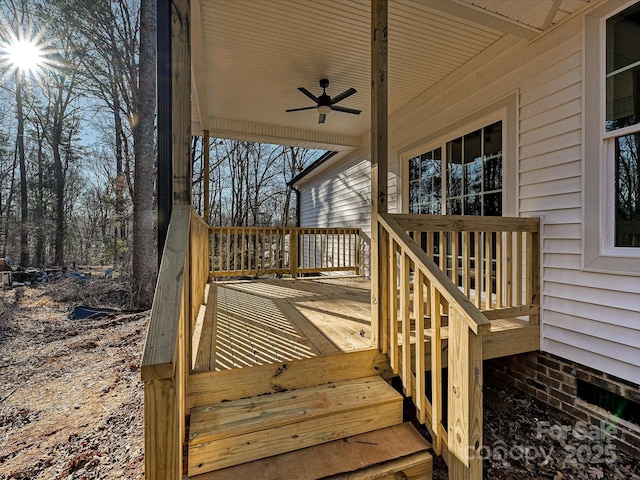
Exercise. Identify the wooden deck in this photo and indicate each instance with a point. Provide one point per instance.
(256, 322)
(264, 321)
(209, 344)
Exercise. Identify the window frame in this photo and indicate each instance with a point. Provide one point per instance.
(599, 253)
(504, 110)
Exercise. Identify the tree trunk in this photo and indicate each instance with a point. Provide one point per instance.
(58, 174)
(24, 209)
(40, 205)
(144, 260)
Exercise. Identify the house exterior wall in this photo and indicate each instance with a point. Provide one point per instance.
(340, 197)
(537, 89)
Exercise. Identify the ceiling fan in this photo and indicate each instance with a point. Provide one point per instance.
(325, 103)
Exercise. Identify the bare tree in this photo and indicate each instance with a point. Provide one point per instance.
(144, 264)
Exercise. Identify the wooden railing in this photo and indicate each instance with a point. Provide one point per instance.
(472, 263)
(495, 261)
(243, 251)
(166, 361)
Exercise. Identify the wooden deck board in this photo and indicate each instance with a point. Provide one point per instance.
(354, 454)
(266, 321)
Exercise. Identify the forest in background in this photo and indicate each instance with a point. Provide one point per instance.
(73, 140)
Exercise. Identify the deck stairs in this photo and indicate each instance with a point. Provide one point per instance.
(345, 429)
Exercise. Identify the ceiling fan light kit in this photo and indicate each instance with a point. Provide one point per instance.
(325, 103)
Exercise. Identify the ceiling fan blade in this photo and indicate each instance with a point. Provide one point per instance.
(346, 110)
(298, 109)
(322, 118)
(343, 95)
(308, 94)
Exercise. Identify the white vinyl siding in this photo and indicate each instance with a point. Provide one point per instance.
(339, 198)
(590, 318)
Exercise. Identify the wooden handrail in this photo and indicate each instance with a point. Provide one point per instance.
(159, 358)
(466, 223)
(495, 261)
(420, 293)
(476, 321)
(434, 265)
(166, 360)
(243, 251)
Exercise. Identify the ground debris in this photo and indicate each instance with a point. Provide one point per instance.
(525, 439)
(72, 404)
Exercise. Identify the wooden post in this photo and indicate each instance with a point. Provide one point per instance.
(205, 147)
(162, 437)
(465, 400)
(533, 260)
(379, 165)
(181, 102)
(164, 164)
(293, 252)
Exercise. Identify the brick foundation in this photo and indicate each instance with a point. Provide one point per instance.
(553, 381)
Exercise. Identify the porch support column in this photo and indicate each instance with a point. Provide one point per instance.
(205, 146)
(174, 111)
(379, 170)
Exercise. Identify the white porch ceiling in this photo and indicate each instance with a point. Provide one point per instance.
(250, 56)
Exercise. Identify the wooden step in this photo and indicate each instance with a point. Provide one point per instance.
(240, 431)
(377, 454)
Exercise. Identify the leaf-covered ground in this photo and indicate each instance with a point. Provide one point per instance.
(525, 439)
(70, 390)
(71, 400)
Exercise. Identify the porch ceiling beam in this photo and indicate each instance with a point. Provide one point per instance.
(482, 17)
(198, 67)
(238, 130)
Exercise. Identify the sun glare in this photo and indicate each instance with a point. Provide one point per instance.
(26, 56)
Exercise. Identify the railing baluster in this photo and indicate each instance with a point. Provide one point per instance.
(478, 268)
(442, 259)
(519, 260)
(393, 306)
(488, 237)
(509, 269)
(454, 257)
(436, 367)
(418, 313)
(499, 272)
(229, 251)
(406, 322)
(466, 262)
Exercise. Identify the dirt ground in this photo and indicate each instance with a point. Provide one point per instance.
(70, 390)
(71, 402)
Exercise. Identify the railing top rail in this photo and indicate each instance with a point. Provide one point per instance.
(468, 223)
(159, 356)
(351, 230)
(475, 319)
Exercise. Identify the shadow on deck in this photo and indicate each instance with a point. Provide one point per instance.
(263, 321)
(255, 322)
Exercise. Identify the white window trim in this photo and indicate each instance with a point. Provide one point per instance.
(504, 110)
(598, 198)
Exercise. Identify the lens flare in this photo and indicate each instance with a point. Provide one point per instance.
(26, 56)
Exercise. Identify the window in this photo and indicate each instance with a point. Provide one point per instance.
(473, 181)
(425, 183)
(622, 124)
(611, 111)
